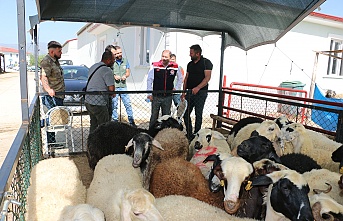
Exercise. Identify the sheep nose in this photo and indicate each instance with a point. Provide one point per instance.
(197, 145)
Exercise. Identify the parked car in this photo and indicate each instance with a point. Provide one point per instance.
(32, 68)
(75, 78)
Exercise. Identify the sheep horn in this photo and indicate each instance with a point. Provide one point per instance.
(316, 213)
(323, 191)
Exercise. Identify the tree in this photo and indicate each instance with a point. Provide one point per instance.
(32, 59)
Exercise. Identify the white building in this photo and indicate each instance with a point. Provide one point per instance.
(290, 59)
(11, 56)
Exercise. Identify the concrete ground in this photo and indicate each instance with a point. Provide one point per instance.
(10, 107)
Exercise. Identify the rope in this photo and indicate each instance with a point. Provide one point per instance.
(265, 66)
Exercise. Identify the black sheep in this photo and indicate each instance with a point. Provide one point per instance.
(299, 162)
(112, 137)
(243, 122)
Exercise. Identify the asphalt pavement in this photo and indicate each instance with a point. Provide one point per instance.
(10, 107)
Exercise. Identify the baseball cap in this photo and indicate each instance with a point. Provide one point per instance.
(54, 44)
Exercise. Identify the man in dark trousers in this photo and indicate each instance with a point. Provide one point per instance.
(161, 78)
(196, 83)
(102, 80)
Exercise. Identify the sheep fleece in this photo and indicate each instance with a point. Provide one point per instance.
(55, 183)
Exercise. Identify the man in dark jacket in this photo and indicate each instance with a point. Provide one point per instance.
(161, 81)
(198, 75)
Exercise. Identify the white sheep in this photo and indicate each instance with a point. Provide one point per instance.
(302, 142)
(208, 142)
(182, 208)
(317, 179)
(323, 204)
(55, 183)
(116, 189)
(84, 212)
(268, 129)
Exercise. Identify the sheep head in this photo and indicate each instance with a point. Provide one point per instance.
(142, 144)
(256, 148)
(139, 205)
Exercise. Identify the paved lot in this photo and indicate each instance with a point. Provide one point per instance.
(10, 108)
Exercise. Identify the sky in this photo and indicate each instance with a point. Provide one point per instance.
(63, 31)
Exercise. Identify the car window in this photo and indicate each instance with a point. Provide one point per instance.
(76, 73)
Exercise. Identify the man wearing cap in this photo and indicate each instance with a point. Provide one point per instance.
(52, 80)
(52, 76)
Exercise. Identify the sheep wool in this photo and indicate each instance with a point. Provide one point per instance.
(180, 177)
(174, 143)
(316, 179)
(55, 183)
(84, 212)
(173, 208)
(112, 175)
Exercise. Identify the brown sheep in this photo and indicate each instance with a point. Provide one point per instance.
(177, 176)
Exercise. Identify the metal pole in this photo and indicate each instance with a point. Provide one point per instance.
(221, 97)
(35, 42)
(22, 61)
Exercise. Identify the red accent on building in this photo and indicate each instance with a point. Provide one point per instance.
(324, 16)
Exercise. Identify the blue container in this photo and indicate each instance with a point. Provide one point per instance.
(326, 120)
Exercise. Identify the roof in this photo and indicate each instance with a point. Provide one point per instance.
(329, 17)
(246, 23)
(8, 50)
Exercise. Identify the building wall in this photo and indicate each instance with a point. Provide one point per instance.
(290, 59)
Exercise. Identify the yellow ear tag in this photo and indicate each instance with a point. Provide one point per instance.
(222, 182)
(248, 186)
(341, 170)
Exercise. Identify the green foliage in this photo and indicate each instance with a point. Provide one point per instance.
(32, 59)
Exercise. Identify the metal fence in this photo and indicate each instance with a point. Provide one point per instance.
(30, 144)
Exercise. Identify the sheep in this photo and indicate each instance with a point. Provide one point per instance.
(182, 208)
(111, 137)
(146, 158)
(337, 156)
(116, 189)
(55, 183)
(325, 206)
(302, 142)
(317, 179)
(208, 142)
(84, 212)
(240, 124)
(177, 176)
(292, 188)
(332, 94)
(258, 147)
(174, 143)
(268, 129)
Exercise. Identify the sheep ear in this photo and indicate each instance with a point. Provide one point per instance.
(128, 145)
(125, 208)
(157, 144)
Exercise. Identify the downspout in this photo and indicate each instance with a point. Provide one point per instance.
(221, 94)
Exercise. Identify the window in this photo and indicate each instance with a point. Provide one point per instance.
(335, 66)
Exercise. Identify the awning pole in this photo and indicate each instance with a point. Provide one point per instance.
(22, 61)
(221, 94)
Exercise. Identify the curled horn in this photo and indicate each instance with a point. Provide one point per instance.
(323, 191)
(316, 213)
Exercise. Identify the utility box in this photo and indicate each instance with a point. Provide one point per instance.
(296, 85)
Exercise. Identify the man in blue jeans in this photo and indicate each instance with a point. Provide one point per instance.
(121, 71)
(198, 75)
